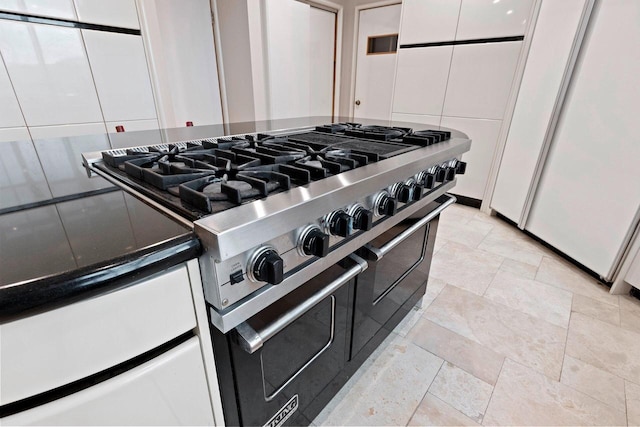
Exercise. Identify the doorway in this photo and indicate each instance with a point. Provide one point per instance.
(375, 65)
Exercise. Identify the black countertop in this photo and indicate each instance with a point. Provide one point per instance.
(68, 243)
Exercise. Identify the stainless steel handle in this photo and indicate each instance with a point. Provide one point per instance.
(251, 340)
(376, 254)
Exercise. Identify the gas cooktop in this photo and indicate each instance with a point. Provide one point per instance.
(201, 177)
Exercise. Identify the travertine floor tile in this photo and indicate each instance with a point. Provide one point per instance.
(526, 339)
(629, 303)
(470, 233)
(462, 352)
(514, 246)
(633, 403)
(464, 267)
(409, 321)
(525, 397)
(434, 412)
(567, 276)
(595, 382)
(537, 299)
(388, 390)
(462, 391)
(630, 320)
(521, 269)
(604, 346)
(596, 309)
(434, 287)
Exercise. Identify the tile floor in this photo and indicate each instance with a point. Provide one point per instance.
(508, 334)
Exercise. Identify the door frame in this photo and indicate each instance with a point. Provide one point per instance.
(354, 56)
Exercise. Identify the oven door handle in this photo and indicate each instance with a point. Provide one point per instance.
(376, 254)
(251, 340)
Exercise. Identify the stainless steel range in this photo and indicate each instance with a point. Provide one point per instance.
(288, 221)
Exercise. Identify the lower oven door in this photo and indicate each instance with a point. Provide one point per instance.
(285, 356)
(396, 279)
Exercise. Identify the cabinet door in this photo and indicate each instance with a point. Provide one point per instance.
(115, 13)
(421, 80)
(481, 19)
(51, 8)
(480, 80)
(588, 194)
(427, 21)
(484, 137)
(168, 390)
(10, 114)
(120, 71)
(50, 73)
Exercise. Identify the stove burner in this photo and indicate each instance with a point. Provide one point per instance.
(426, 137)
(337, 127)
(380, 133)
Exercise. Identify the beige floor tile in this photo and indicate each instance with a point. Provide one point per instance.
(387, 389)
(434, 287)
(629, 303)
(595, 382)
(521, 269)
(566, 276)
(537, 299)
(596, 309)
(633, 403)
(409, 321)
(604, 346)
(511, 245)
(630, 320)
(526, 339)
(462, 352)
(525, 397)
(439, 243)
(462, 391)
(464, 267)
(434, 412)
(470, 233)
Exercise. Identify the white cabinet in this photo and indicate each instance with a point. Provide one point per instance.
(428, 21)
(399, 118)
(480, 19)
(51, 8)
(50, 73)
(132, 125)
(484, 135)
(556, 26)
(114, 13)
(480, 80)
(633, 275)
(588, 194)
(49, 350)
(10, 114)
(121, 76)
(170, 389)
(421, 80)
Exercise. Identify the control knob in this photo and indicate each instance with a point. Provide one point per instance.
(340, 223)
(266, 266)
(314, 242)
(384, 204)
(362, 218)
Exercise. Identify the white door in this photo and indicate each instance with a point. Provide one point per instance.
(376, 62)
(322, 57)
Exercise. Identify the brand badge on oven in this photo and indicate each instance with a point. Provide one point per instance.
(284, 413)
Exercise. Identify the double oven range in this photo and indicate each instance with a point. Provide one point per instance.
(316, 243)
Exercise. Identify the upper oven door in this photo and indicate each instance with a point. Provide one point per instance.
(399, 262)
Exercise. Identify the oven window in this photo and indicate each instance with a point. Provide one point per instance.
(398, 263)
(284, 354)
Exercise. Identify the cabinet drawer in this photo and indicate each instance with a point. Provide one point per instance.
(170, 389)
(54, 348)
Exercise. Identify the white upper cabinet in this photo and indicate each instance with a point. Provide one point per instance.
(115, 13)
(50, 73)
(121, 75)
(50, 8)
(481, 19)
(10, 114)
(480, 79)
(427, 21)
(421, 80)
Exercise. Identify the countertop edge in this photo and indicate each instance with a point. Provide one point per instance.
(43, 294)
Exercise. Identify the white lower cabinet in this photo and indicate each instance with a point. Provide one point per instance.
(170, 389)
(484, 137)
(633, 275)
(432, 121)
(132, 125)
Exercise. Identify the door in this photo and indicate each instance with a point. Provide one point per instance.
(376, 62)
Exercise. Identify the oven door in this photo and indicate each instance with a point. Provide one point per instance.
(399, 262)
(285, 356)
